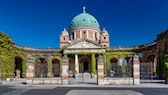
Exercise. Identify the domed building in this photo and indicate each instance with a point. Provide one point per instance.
(85, 56)
(85, 27)
(84, 36)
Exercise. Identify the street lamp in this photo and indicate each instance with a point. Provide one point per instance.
(0, 77)
(0, 73)
(82, 73)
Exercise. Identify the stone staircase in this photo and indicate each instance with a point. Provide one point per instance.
(83, 78)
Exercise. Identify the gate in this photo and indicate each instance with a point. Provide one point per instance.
(116, 70)
(82, 78)
(146, 71)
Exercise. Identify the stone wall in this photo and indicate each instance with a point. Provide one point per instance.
(38, 81)
(118, 81)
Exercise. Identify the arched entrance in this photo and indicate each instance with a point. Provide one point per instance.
(56, 67)
(18, 67)
(72, 65)
(41, 69)
(84, 64)
(84, 75)
(150, 58)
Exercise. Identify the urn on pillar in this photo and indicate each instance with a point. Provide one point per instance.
(100, 70)
(136, 70)
(30, 70)
(65, 67)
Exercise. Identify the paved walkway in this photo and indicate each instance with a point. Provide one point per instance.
(87, 83)
(20, 87)
(103, 92)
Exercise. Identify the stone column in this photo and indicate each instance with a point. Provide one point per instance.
(87, 34)
(80, 34)
(105, 65)
(155, 65)
(76, 63)
(65, 67)
(93, 35)
(74, 34)
(30, 70)
(93, 63)
(136, 70)
(100, 70)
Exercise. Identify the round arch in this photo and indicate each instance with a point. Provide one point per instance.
(150, 58)
(113, 60)
(72, 64)
(41, 68)
(56, 67)
(18, 67)
(84, 64)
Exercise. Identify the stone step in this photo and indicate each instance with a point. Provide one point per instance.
(86, 75)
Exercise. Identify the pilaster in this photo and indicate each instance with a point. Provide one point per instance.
(136, 70)
(30, 70)
(65, 67)
(104, 58)
(93, 63)
(50, 73)
(76, 63)
(100, 70)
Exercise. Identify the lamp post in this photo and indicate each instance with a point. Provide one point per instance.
(0, 77)
(82, 73)
(0, 74)
(42, 69)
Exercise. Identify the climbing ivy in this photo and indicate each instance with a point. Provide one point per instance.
(7, 55)
(93, 62)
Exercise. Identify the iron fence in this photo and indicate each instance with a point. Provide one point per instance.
(116, 70)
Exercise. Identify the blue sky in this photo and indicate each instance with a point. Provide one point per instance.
(39, 23)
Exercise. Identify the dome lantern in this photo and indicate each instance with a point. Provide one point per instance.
(65, 33)
(104, 32)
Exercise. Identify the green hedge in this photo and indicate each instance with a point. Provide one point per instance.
(7, 75)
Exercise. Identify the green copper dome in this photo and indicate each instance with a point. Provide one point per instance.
(84, 19)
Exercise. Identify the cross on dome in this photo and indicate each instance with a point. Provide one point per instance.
(84, 9)
(104, 29)
(64, 29)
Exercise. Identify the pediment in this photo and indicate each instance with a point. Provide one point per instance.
(84, 44)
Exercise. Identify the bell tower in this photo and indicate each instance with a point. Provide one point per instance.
(64, 38)
(104, 38)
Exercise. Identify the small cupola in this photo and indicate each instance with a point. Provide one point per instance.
(104, 32)
(65, 32)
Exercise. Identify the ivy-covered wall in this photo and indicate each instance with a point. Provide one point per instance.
(93, 64)
(7, 56)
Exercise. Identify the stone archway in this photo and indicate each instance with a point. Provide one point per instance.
(18, 67)
(84, 64)
(72, 65)
(56, 67)
(41, 68)
(112, 67)
(113, 60)
(150, 58)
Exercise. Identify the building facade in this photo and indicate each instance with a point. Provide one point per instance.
(82, 47)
